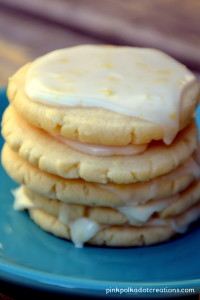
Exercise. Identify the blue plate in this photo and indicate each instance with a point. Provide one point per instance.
(33, 258)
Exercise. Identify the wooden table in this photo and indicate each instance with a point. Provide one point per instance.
(31, 28)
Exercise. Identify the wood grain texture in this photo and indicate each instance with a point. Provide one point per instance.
(31, 28)
(23, 38)
(171, 25)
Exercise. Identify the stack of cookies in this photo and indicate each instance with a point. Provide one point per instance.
(104, 144)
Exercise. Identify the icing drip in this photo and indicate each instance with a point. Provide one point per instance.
(81, 229)
(21, 201)
(143, 213)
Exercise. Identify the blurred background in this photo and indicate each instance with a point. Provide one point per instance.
(30, 28)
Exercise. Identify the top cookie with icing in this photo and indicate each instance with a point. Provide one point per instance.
(106, 95)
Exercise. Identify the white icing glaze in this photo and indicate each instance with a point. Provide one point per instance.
(82, 230)
(140, 82)
(21, 201)
(101, 150)
(129, 194)
(179, 223)
(142, 213)
(133, 196)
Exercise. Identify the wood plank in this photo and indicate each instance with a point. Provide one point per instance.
(23, 38)
(170, 25)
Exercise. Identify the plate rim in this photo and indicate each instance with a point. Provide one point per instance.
(65, 284)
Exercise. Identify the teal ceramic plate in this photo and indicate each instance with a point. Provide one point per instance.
(36, 259)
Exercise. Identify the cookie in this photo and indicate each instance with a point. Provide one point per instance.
(97, 225)
(55, 157)
(81, 192)
(114, 236)
(106, 95)
(138, 215)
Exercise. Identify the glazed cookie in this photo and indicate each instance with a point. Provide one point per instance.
(54, 156)
(113, 236)
(81, 192)
(80, 224)
(106, 95)
(139, 215)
